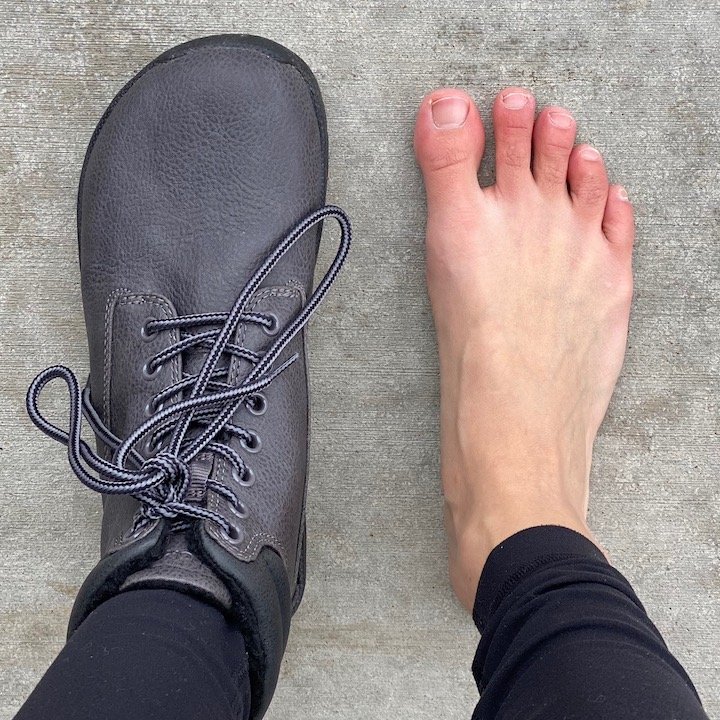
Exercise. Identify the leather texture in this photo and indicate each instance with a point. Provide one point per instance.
(179, 567)
(201, 164)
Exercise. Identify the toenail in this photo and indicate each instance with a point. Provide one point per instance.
(515, 100)
(622, 194)
(449, 112)
(561, 120)
(590, 153)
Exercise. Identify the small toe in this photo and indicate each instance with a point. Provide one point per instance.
(513, 118)
(449, 144)
(588, 182)
(618, 222)
(553, 139)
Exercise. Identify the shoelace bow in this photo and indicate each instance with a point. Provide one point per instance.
(162, 481)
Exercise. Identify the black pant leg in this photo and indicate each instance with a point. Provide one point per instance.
(564, 636)
(147, 655)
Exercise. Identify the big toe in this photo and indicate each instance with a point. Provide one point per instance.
(449, 144)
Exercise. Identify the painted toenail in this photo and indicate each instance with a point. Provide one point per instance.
(589, 153)
(449, 112)
(622, 194)
(515, 100)
(561, 120)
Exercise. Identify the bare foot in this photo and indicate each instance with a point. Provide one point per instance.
(530, 282)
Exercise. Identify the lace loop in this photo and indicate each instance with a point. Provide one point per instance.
(161, 482)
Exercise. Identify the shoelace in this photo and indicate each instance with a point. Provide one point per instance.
(162, 481)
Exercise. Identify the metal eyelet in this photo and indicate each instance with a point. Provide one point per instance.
(149, 374)
(235, 536)
(247, 479)
(150, 447)
(145, 334)
(151, 407)
(253, 445)
(240, 510)
(274, 324)
(257, 404)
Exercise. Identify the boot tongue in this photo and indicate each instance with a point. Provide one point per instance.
(179, 569)
(193, 359)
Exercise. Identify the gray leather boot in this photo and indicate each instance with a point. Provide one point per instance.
(199, 216)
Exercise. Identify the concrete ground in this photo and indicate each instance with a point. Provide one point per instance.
(379, 634)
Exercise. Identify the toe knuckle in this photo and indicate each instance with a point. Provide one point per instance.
(592, 190)
(514, 155)
(554, 174)
(446, 156)
(558, 146)
(517, 125)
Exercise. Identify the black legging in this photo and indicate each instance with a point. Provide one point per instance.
(564, 636)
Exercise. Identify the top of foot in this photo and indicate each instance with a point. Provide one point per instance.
(530, 282)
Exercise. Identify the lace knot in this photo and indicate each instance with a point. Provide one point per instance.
(176, 471)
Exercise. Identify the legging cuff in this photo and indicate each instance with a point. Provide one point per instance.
(521, 554)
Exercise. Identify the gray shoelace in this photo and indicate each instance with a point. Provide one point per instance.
(162, 481)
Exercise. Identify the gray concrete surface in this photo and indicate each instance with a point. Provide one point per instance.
(379, 634)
